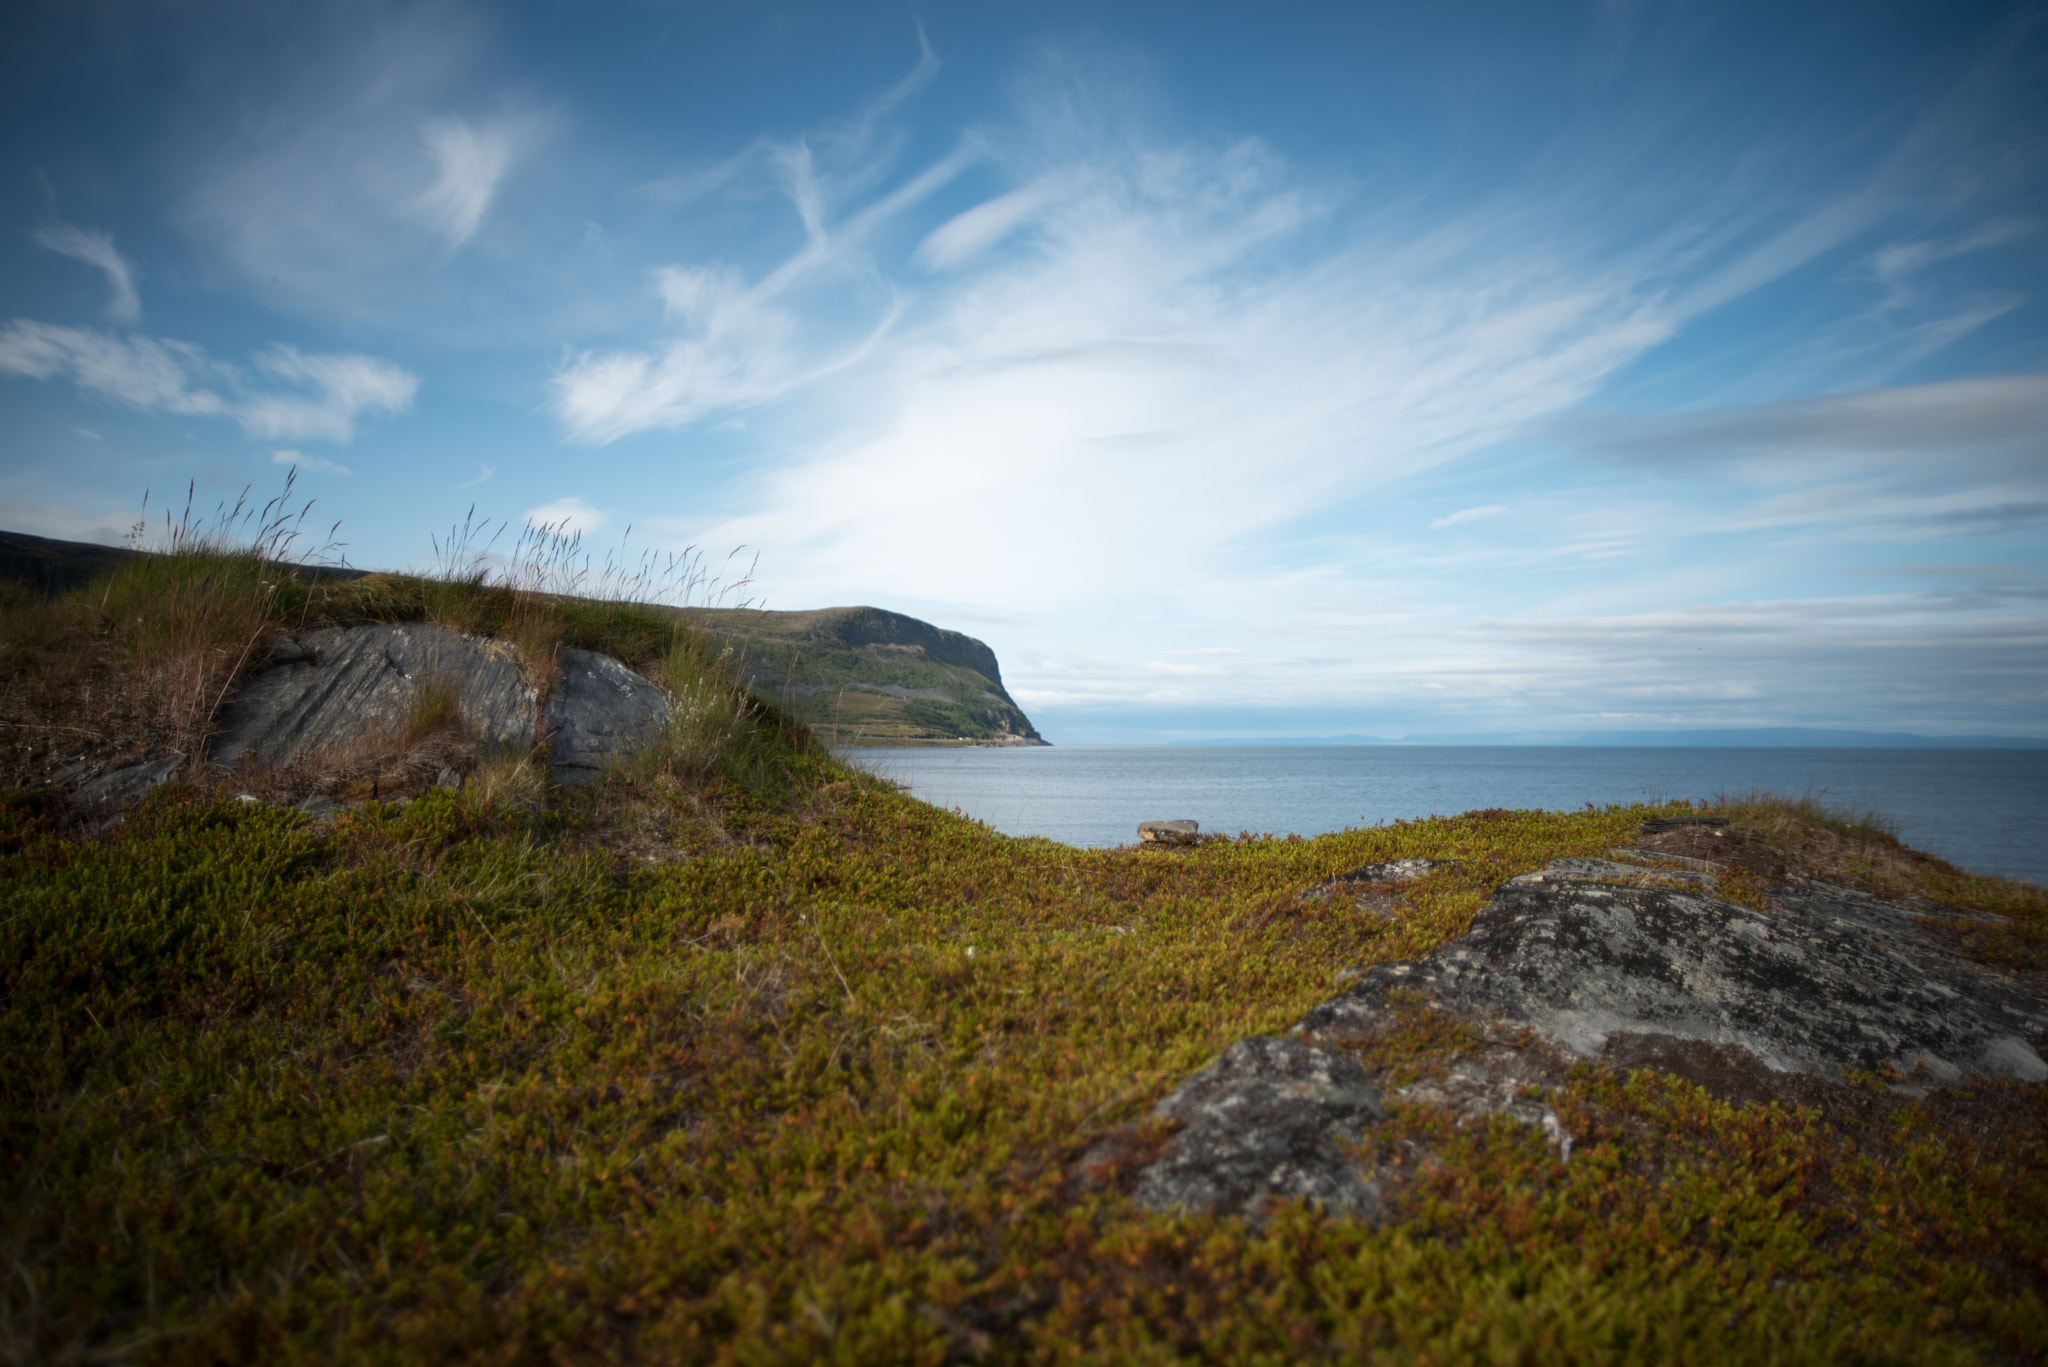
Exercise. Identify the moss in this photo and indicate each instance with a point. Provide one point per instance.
(742, 1056)
(448, 1080)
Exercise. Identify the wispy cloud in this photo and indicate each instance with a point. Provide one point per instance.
(302, 461)
(1999, 412)
(330, 393)
(358, 188)
(737, 341)
(1910, 463)
(969, 234)
(571, 516)
(484, 472)
(286, 395)
(1467, 515)
(96, 249)
(153, 374)
(470, 161)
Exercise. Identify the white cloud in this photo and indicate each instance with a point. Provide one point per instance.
(736, 342)
(96, 249)
(969, 234)
(470, 161)
(149, 373)
(349, 183)
(1157, 377)
(1467, 515)
(305, 462)
(342, 388)
(1902, 259)
(293, 396)
(484, 472)
(569, 516)
(1952, 416)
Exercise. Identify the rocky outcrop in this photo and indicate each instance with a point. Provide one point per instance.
(104, 799)
(600, 710)
(1169, 832)
(1635, 965)
(1270, 1119)
(340, 688)
(336, 687)
(1827, 981)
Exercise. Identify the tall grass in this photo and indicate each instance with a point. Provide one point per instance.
(146, 654)
(1864, 824)
(151, 647)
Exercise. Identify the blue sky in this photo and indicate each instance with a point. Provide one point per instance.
(1232, 370)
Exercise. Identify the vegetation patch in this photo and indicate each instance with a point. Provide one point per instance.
(741, 1055)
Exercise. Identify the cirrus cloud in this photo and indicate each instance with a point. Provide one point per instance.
(290, 396)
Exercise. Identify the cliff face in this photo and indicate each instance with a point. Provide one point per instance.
(863, 675)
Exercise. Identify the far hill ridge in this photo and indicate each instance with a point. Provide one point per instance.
(868, 676)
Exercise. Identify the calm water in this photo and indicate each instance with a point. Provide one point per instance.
(1985, 810)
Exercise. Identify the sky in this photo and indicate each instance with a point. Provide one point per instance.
(1284, 370)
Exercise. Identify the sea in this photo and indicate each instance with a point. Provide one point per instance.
(1982, 810)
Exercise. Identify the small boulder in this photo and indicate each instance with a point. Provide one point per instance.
(1169, 832)
(1270, 1120)
(600, 710)
(362, 682)
(1828, 981)
(1395, 871)
(111, 794)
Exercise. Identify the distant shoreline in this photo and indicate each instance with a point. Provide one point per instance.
(1764, 738)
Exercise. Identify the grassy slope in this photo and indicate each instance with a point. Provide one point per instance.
(698, 1065)
(828, 667)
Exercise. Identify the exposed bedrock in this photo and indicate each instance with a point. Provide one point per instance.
(340, 687)
(352, 684)
(1269, 1119)
(600, 709)
(1825, 982)
(1602, 960)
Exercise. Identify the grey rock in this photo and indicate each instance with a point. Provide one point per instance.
(286, 651)
(113, 793)
(1489, 1082)
(1829, 981)
(600, 711)
(1395, 871)
(363, 681)
(1611, 871)
(1599, 961)
(1271, 1119)
(1169, 832)
(77, 769)
(448, 778)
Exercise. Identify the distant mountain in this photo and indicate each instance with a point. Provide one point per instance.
(53, 567)
(866, 676)
(1759, 737)
(50, 566)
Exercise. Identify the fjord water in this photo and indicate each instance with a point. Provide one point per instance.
(1983, 810)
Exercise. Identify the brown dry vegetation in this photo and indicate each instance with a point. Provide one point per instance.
(740, 1056)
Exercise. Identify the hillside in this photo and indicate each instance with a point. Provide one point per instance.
(860, 675)
(735, 1053)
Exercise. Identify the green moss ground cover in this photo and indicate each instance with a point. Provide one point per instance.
(441, 1083)
(753, 1059)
